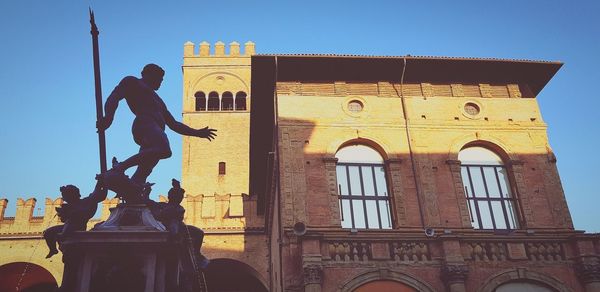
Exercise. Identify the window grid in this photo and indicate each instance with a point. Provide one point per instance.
(478, 192)
(360, 200)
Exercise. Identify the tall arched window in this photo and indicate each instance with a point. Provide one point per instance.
(213, 101)
(362, 188)
(240, 101)
(227, 101)
(487, 189)
(200, 101)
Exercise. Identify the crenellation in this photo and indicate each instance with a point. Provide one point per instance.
(249, 49)
(220, 49)
(24, 210)
(50, 209)
(189, 49)
(3, 204)
(204, 49)
(201, 210)
(234, 49)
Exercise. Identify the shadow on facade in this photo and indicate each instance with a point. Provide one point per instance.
(426, 190)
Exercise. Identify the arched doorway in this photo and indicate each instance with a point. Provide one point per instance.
(35, 279)
(385, 286)
(226, 275)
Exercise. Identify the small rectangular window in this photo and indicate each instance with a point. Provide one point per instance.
(221, 168)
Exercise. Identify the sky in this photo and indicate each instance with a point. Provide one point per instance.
(47, 108)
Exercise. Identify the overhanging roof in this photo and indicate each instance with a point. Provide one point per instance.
(321, 68)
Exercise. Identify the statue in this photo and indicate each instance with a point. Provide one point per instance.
(74, 212)
(170, 214)
(151, 117)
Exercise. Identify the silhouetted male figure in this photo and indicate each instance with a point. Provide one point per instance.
(151, 116)
(74, 212)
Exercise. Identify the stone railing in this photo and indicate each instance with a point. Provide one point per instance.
(497, 251)
(376, 250)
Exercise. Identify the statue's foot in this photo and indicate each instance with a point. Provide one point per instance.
(51, 253)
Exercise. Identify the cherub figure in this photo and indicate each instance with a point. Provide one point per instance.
(171, 213)
(74, 212)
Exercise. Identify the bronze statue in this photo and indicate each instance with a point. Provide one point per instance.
(151, 117)
(74, 212)
(171, 214)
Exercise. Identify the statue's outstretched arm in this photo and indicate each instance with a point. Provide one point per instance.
(184, 129)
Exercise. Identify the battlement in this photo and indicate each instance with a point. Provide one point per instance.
(189, 50)
(212, 211)
(24, 222)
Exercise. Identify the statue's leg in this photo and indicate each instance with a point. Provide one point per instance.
(51, 237)
(154, 145)
(143, 171)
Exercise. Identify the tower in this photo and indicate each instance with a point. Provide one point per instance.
(216, 93)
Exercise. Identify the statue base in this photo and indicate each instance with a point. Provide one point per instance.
(130, 251)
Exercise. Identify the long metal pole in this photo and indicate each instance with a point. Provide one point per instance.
(99, 112)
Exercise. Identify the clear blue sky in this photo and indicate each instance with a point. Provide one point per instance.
(48, 139)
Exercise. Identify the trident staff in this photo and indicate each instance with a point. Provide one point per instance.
(99, 113)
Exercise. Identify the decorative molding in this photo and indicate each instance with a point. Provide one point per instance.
(588, 269)
(313, 274)
(454, 273)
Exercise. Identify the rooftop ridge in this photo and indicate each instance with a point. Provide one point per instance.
(411, 57)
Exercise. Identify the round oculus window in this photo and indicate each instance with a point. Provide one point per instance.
(472, 108)
(355, 106)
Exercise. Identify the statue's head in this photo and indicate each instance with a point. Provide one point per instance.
(70, 193)
(176, 192)
(152, 75)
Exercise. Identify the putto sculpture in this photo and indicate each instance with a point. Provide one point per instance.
(74, 212)
(171, 214)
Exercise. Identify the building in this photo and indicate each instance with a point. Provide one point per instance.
(363, 173)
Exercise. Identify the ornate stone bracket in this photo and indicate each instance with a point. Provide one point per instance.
(454, 273)
(313, 274)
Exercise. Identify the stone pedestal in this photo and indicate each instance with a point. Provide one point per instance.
(131, 252)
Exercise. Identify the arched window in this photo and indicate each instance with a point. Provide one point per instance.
(227, 101)
(200, 101)
(213, 101)
(240, 101)
(487, 189)
(362, 188)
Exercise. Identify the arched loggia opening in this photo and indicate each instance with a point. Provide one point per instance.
(213, 101)
(34, 278)
(229, 275)
(240, 101)
(200, 101)
(227, 101)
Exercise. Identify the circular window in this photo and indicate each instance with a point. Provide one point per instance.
(355, 106)
(472, 108)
